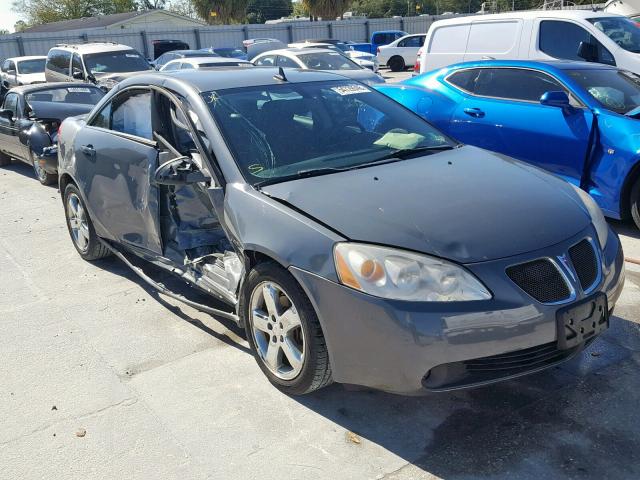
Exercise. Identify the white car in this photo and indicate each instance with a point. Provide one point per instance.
(583, 35)
(363, 59)
(401, 53)
(23, 71)
(323, 59)
(190, 63)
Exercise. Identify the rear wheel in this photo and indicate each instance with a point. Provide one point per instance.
(283, 331)
(43, 177)
(4, 159)
(396, 64)
(635, 203)
(80, 227)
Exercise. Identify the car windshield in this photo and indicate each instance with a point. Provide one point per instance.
(31, 66)
(288, 131)
(615, 90)
(84, 95)
(327, 61)
(229, 52)
(621, 30)
(116, 62)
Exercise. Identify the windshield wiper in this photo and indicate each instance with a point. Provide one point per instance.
(402, 153)
(312, 172)
(633, 112)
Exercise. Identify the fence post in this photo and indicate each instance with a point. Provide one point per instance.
(290, 32)
(245, 32)
(402, 23)
(367, 31)
(85, 37)
(196, 32)
(145, 46)
(20, 46)
(330, 29)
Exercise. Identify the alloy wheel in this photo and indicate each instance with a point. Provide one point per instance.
(78, 222)
(277, 330)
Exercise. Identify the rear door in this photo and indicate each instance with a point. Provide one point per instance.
(116, 162)
(502, 112)
(9, 127)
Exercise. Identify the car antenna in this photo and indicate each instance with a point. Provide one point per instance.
(280, 75)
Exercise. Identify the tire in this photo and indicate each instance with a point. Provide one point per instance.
(43, 177)
(396, 64)
(80, 228)
(4, 159)
(635, 202)
(274, 329)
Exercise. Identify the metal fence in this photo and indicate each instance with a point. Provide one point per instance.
(358, 30)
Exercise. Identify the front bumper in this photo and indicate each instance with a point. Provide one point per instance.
(395, 345)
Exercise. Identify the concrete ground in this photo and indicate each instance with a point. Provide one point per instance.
(101, 378)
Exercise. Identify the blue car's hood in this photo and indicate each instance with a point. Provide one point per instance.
(467, 205)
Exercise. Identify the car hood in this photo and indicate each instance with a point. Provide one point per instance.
(466, 204)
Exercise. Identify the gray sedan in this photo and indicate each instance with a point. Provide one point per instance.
(352, 240)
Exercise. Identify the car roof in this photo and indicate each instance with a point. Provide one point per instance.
(538, 64)
(205, 59)
(93, 47)
(27, 57)
(196, 53)
(528, 14)
(23, 89)
(296, 51)
(232, 77)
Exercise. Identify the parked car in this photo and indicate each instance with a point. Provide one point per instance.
(578, 120)
(401, 53)
(30, 118)
(203, 62)
(22, 71)
(178, 54)
(227, 52)
(352, 240)
(363, 59)
(102, 63)
(161, 47)
(378, 39)
(581, 35)
(317, 59)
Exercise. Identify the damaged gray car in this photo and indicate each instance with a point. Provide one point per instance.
(352, 240)
(30, 118)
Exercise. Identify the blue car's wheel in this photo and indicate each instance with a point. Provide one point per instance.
(635, 202)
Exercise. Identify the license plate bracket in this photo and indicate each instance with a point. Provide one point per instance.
(582, 321)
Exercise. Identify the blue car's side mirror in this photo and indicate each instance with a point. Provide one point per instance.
(555, 99)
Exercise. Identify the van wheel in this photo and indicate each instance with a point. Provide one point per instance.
(283, 331)
(635, 203)
(80, 227)
(396, 64)
(4, 159)
(43, 177)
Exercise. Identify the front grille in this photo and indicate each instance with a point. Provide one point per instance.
(515, 362)
(540, 279)
(585, 263)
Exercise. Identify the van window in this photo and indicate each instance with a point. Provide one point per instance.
(621, 30)
(449, 39)
(561, 39)
(508, 83)
(493, 37)
(76, 63)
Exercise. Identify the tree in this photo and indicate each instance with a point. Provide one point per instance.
(46, 11)
(4, 32)
(181, 7)
(151, 4)
(327, 9)
(221, 11)
(20, 26)
(259, 11)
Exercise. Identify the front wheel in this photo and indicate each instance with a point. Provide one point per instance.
(635, 203)
(83, 235)
(43, 177)
(283, 331)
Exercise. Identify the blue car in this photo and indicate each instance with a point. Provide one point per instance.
(580, 121)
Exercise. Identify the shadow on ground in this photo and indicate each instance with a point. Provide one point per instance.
(26, 171)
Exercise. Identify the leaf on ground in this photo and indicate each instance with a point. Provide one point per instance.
(81, 432)
(353, 438)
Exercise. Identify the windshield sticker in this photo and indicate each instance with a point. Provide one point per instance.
(78, 90)
(350, 89)
(131, 55)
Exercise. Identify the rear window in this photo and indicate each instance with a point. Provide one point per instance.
(31, 66)
(81, 95)
(327, 61)
(116, 62)
(449, 39)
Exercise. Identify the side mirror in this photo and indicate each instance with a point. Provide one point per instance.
(588, 52)
(555, 99)
(6, 114)
(179, 171)
(11, 71)
(77, 74)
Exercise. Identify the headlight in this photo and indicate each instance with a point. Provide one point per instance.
(400, 275)
(599, 222)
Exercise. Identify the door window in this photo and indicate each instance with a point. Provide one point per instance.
(286, 62)
(11, 103)
(5, 66)
(509, 83)
(171, 66)
(560, 39)
(128, 113)
(186, 66)
(267, 61)
(11, 66)
(76, 63)
(412, 42)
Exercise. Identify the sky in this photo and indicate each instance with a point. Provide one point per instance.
(8, 18)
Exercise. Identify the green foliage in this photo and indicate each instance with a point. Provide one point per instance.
(221, 11)
(46, 11)
(259, 11)
(327, 9)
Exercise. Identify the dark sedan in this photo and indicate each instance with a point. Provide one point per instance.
(30, 118)
(352, 240)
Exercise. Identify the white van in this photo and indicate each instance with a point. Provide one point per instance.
(534, 35)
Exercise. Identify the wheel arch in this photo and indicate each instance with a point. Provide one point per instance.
(625, 195)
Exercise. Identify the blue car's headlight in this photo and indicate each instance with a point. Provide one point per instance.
(599, 222)
(401, 275)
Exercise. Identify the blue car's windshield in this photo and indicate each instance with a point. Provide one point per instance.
(285, 131)
(615, 90)
(621, 30)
